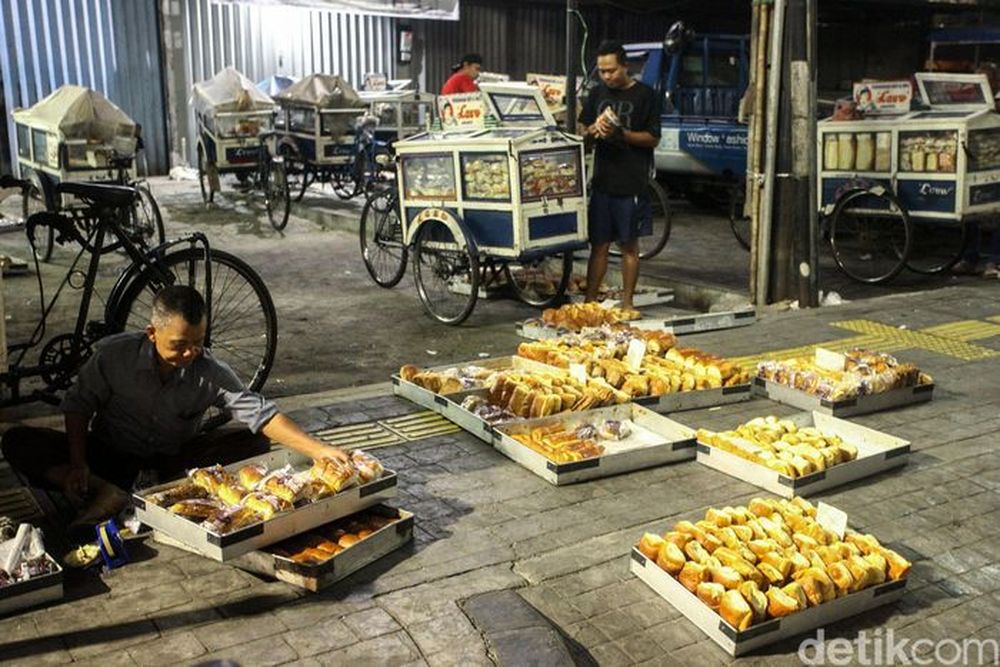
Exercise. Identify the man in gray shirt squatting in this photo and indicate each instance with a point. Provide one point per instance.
(138, 405)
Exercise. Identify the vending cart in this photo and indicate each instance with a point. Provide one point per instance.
(236, 136)
(77, 134)
(897, 191)
(478, 205)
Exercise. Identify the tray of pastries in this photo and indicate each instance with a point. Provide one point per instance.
(428, 386)
(857, 381)
(29, 576)
(572, 317)
(806, 453)
(596, 443)
(753, 575)
(668, 377)
(326, 554)
(223, 512)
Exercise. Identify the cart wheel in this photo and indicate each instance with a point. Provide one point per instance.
(344, 183)
(936, 246)
(382, 246)
(144, 224)
(276, 196)
(540, 282)
(32, 202)
(207, 194)
(870, 235)
(739, 222)
(651, 244)
(446, 272)
(303, 183)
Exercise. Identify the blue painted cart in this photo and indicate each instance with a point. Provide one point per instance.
(478, 206)
(896, 191)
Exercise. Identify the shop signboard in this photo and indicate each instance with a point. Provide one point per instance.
(462, 111)
(875, 98)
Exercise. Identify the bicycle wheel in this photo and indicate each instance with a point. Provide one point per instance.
(738, 221)
(540, 282)
(32, 203)
(651, 244)
(870, 235)
(446, 272)
(303, 184)
(144, 225)
(207, 194)
(382, 247)
(276, 196)
(344, 181)
(244, 328)
(936, 246)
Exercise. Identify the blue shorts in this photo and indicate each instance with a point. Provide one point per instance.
(619, 218)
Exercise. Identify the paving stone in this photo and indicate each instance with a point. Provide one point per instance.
(148, 601)
(465, 656)
(530, 645)
(443, 633)
(371, 623)
(639, 647)
(113, 659)
(587, 634)
(167, 650)
(46, 651)
(140, 576)
(610, 655)
(223, 582)
(232, 631)
(267, 651)
(674, 634)
(392, 649)
(16, 629)
(185, 617)
(90, 643)
(320, 637)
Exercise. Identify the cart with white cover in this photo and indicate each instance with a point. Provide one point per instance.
(77, 134)
(327, 136)
(236, 136)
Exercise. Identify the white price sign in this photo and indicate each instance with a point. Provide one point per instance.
(636, 351)
(832, 519)
(578, 372)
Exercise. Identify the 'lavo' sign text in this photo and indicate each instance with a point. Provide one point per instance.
(883, 97)
(465, 110)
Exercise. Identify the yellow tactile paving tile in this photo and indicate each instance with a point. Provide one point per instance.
(907, 339)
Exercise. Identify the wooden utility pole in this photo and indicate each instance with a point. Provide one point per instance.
(571, 10)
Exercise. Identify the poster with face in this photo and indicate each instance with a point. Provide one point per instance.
(464, 111)
(883, 97)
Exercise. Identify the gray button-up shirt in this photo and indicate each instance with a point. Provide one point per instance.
(137, 413)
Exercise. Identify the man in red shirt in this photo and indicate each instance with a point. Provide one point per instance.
(463, 79)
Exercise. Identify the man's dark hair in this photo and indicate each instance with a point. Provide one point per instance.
(178, 300)
(612, 47)
(467, 59)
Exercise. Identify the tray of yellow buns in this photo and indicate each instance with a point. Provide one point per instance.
(596, 443)
(429, 387)
(324, 555)
(803, 454)
(754, 575)
(226, 511)
(663, 376)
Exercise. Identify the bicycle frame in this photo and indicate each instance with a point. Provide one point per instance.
(56, 374)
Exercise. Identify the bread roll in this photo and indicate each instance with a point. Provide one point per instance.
(780, 603)
(650, 545)
(795, 590)
(899, 567)
(841, 577)
(678, 538)
(348, 540)
(727, 576)
(736, 611)
(755, 598)
(408, 372)
(250, 475)
(671, 558)
(693, 574)
(695, 551)
(710, 593)
(771, 573)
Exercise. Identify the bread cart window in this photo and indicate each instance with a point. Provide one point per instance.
(517, 107)
(83, 155)
(550, 174)
(336, 124)
(23, 142)
(302, 120)
(429, 177)
(857, 151)
(945, 92)
(43, 152)
(485, 176)
(984, 149)
(932, 151)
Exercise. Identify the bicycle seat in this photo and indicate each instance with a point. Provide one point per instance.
(115, 196)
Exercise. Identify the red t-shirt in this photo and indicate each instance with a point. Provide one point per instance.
(459, 83)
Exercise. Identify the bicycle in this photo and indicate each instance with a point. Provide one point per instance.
(144, 223)
(242, 325)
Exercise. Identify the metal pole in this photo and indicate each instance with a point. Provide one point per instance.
(767, 200)
(571, 8)
(812, 13)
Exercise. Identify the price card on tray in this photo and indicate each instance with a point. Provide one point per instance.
(609, 303)
(636, 351)
(578, 372)
(831, 518)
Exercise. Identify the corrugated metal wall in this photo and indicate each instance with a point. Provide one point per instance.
(112, 46)
(263, 40)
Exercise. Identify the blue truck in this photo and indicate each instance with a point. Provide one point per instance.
(701, 79)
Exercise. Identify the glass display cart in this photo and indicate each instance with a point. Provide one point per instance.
(236, 136)
(897, 191)
(481, 205)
